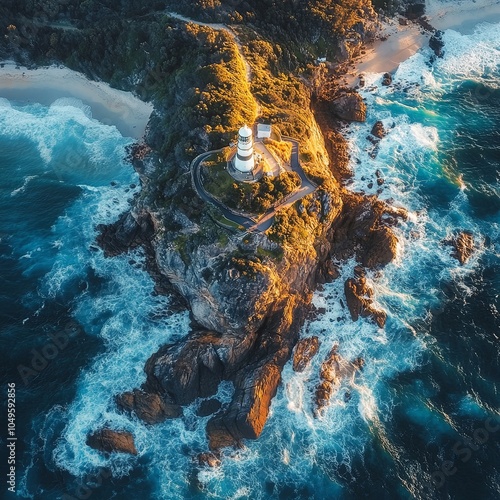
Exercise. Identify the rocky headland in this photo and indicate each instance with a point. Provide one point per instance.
(248, 293)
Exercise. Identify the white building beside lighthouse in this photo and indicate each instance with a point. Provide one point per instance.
(244, 159)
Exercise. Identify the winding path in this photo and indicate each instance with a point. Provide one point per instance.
(306, 187)
(234, 36)
(229, 214)
(266, 221)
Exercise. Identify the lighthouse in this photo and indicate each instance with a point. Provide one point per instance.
(244, 161)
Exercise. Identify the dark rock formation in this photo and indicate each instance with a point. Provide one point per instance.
(463, 244)
(387, 79)
(305, 350)
(360, 303)
(109, 441)
(361, 230)
(378, 130)
(415, 10)
(333, 370)
(130, 231)
(436, 43)
(208, 407)
(209, 459)
(349, 107)
(148, 406)
(191, 369)
(257, 379)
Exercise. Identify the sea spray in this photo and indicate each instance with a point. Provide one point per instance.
(429, 375)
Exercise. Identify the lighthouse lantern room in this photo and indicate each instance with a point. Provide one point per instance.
(244, 159)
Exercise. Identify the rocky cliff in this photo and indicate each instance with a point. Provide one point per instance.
(248, 293)
(248, 297)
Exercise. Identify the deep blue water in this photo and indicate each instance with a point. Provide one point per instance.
(431, 377)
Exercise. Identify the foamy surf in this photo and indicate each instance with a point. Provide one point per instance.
(387, 429)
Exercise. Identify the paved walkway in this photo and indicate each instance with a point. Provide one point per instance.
(266, 221)
(307, 187)
(233, 216)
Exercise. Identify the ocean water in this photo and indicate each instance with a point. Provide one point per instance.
(420, 421)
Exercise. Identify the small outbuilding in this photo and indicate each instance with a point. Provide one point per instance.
(263, 131)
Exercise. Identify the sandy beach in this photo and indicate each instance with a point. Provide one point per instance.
(129, 114)
(465, 16)
(397, 43)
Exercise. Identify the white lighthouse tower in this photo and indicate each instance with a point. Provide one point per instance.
(244, 161)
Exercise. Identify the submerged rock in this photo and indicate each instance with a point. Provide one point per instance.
(360, 303)
(378, 130)
(108, 440)
(210, 459)
(208, 407)
(305, 350)
(333, 370)
(464, 245)
(149, 407)
(436, 43)
(387, 79)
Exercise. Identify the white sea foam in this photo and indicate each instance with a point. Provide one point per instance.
(294, 444)
(5, 103)
(65, 102)
(22, 189)
(69, 142)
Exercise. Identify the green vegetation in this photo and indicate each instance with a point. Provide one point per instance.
(197, 81)
(280, 150)
(193, 74)
(248, 265)
(255, 198)
(218, 218)
(303, 28)
(272, 254)
(180, 244)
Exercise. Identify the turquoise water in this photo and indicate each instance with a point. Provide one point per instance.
(431, 376)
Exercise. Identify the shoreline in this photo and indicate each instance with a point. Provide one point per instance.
(396, 43)
(45, 85)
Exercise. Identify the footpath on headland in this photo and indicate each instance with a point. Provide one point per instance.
(232, 34)
(249, 223)
(265, 221)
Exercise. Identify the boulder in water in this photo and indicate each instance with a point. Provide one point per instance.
(378, 130)
(436, 43)
(463, 244)
(109, 441)
(208, 407)
(387, 79)
(210, 459)
(305, 350)
(149, 407)
(360, 303)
